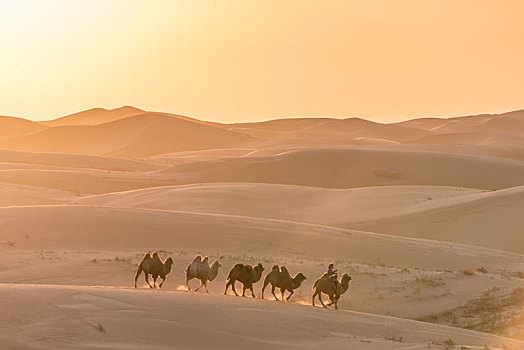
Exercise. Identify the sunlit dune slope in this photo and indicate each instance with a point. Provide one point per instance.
(81, 227)
(486, 219)
(351, 128)
(15, 195)
(472, 138)
(137, 136)
(60, 317)
(286, 202)
(80, 181)
(506, 128)
(94, 116)
(74, 161)
(12, 126)
(347, 168)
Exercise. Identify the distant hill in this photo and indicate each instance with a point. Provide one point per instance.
(350, 128)
(134, 137)
(11, 126)
(129, 132)
(94, 116)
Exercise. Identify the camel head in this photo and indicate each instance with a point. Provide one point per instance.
(259, 267)
(345, 279)
(169, 261)
(299, 278)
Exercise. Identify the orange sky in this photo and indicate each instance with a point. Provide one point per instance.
(251, 60)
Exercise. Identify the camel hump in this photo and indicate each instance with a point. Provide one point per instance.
(193, 268)
(248, 268)
(284, 269)
(235, 270)
(205, 260)
(156, 257)
(275, 268)
(147, 256)
(198, 258)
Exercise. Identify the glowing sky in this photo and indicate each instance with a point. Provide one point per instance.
(252, 60)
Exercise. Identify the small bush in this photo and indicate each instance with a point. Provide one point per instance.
(482, 269)
(449, 343)
(469, 272)
(430, 279)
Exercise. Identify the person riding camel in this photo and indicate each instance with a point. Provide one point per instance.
(332, 275)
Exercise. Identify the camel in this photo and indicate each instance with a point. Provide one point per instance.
(245, 274)
(324, 285)
(199, 268)
(281, 278)
(152, 265)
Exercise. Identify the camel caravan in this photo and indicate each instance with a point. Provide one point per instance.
(279, 277)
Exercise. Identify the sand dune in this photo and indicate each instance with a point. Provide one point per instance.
(485, 219)
(498, 124)
(346, 168)
(134, 137)
(80, 227)
(74, 161)
(514, 152)
(15, 195)
(352, 127)
(440, 213)
(498, 129)
(94, 116)
(12, 126)
(286, 202)
(76, 181)
(472, 138)
(95, 317)
(75, 245)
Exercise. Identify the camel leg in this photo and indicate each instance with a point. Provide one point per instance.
(161, 283)
(234, 290)
(320, 298)
(289, 296)
(282, 292)
(313, 298)
(273, 292)
(205, 285)
(138, 272)
(334, 300)
(200, 286)
(243, 290)
(154, 281)
(187, 284)
(264, 287)
(147, 279)
(252, 292)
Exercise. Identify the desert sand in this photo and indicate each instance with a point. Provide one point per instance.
(425, 215)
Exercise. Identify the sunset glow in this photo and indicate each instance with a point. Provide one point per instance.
(238, 60)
